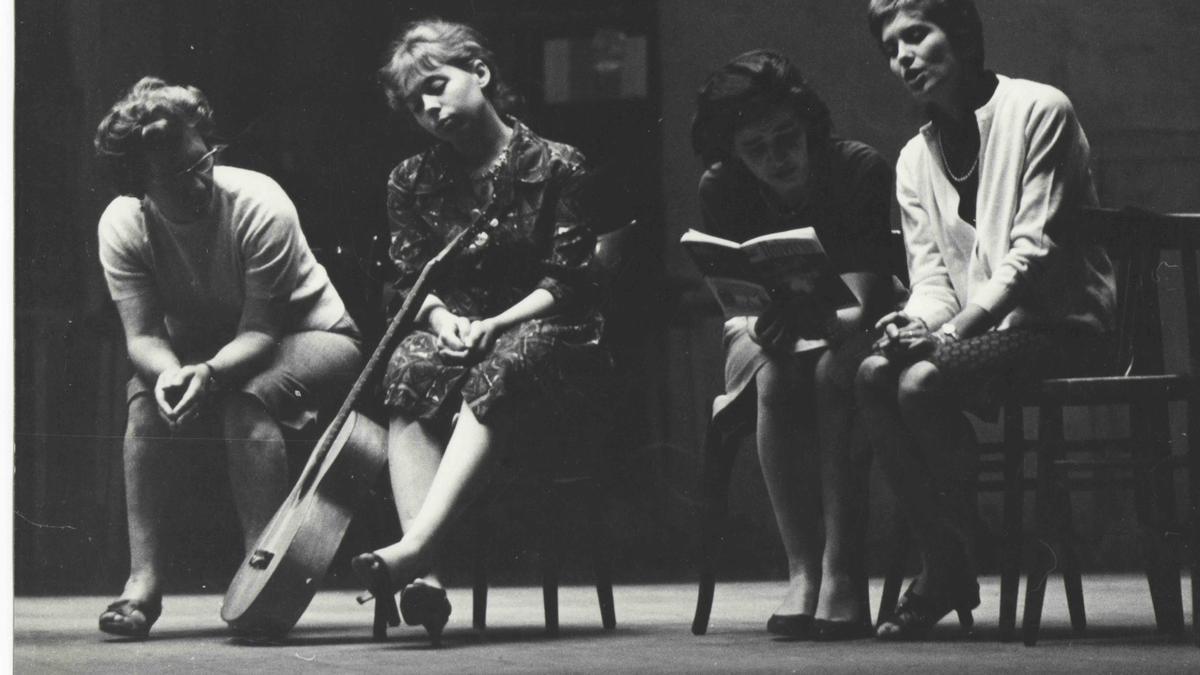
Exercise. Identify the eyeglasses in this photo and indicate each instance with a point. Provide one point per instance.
(204, 164)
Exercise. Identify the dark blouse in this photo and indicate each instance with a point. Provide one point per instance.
(848, 207)
(542, 240)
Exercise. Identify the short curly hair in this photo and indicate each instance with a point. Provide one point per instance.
(431, 43)
(151, 114)
(958, 18)
(745, 87)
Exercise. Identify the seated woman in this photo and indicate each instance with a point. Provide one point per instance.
(1000, 295)
(764, 135)
(228, 320)
(510, 335)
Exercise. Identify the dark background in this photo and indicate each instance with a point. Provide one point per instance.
(294, 90)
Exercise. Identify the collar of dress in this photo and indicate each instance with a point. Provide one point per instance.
(528, 162)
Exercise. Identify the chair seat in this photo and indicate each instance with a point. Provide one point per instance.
(1111, 389)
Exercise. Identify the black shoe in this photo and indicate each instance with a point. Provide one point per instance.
(423, 604)
(374, 575)
(797, 626)
(916, 615)
(825, 630)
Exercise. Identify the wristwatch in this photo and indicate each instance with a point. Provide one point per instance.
(948, 333)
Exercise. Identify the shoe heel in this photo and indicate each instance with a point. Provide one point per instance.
(965, 618)
(386, 615)
(435, 634)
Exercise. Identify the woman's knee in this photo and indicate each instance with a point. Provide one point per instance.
(875, 380)
(918, 383)
(778, 385)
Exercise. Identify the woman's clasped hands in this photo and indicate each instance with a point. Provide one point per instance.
(905, 339)
(461, 338)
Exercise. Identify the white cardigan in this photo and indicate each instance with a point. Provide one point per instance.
(1033, 175)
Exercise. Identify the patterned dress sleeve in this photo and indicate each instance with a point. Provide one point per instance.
(567, 275)
(413, 243)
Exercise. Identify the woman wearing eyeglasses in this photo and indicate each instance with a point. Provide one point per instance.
(231, 325)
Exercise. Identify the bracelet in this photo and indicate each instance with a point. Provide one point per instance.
(213, 383)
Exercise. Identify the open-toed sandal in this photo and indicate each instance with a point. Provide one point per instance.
(130, 618)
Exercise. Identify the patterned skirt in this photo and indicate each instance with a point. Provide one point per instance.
(540, 370)
(980, 371)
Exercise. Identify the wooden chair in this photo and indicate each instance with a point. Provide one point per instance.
(614, 256)
(1136, 241)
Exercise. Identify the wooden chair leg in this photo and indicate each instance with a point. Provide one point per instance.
(1072, 576)
(895, 574)
(1193, 472)
(714, 490)
(550, 563)
(1014, 492)
(479, 580)
(1050, 432)
(1166, 524)
(1154, 515)
(1045, 558)
(600, 558)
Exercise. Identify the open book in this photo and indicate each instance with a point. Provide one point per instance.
(745, 276)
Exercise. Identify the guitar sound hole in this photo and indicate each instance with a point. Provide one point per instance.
(261, 559)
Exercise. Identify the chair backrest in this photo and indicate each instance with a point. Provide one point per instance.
(1142, 246)
(614, 260)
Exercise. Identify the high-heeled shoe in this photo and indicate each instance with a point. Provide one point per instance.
(130, 618)
(374, 575)
(916, 615)
(795, 626)
(423, 604)
(828, 630)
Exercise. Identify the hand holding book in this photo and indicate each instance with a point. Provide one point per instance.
(783, 278)
(789, 317)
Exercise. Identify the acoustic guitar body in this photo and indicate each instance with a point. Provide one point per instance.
(278, 579)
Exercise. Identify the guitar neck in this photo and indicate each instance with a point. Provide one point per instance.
(398, 326)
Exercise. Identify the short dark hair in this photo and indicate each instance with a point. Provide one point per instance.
(432, 43)
(958, 18)
(151, 114)
(746, 86)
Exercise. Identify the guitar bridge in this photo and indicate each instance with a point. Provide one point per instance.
(261, 559)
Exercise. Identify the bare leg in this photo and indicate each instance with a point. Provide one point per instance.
(414, 454)
(940, 432)
(894, 406)
(458, 479)
(792, 482)
(845, 470)
(257, 463)
(149, 482)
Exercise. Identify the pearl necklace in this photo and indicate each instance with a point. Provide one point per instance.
(946, 163)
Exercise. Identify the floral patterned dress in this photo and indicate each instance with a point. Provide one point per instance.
(541, 369)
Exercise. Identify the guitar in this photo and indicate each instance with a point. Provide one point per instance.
(278, 578)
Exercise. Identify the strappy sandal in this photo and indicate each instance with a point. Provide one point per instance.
(130, 618)
(423, 604)
(916, 615)
(372, 571)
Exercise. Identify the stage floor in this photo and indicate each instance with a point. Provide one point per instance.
(58, 635)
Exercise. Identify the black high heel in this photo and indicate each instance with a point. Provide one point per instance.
(374, 575)
(423, 604)
(916, 615)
